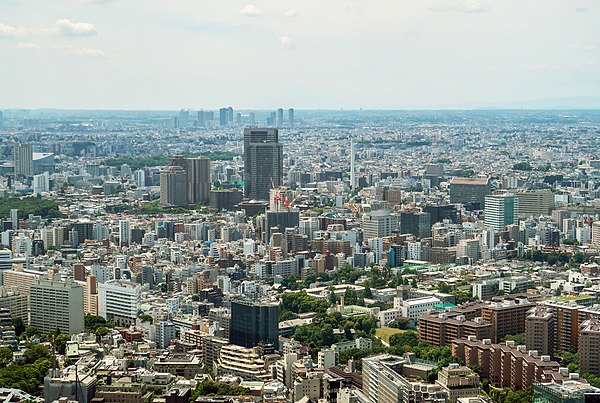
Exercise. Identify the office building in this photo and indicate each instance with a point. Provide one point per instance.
(416, 223)
(378, 224)
(539, 330)
(70, 385)
(263, 162)
(569, 391)
(501, 210)
(470, 191)
(252, 323)
(535, 203)
(278, 221)
(441, 212)
(589, 347)
(119, 301)
(173, 187)
(291, 117)
(23, 158)
(54, 303)
(198, 178)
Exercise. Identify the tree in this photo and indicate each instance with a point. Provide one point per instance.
(6, 357)
(146, 318)
(350, 296)
(518, 338)
(36, 352)
(367, 293)
(414, 284)
(19, 325)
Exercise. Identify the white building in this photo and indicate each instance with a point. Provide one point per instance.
(414, 308)
(119, 301)
(124, 232)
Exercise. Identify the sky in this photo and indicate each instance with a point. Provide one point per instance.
(307, 54)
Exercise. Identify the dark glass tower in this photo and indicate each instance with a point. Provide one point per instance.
(252, 323)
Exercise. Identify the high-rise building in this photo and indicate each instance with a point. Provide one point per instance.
(291, 117)
(469, 191)
(23, 157)
(12, 299)
(507, 317)
(589, 347)
(596, 236)
(279, 118)
(539, 330)
(198, 177)
(263, 162)
(1, 120)
(280, 220)
(223, 117)
(41, 183)
(501, 210)
(54, 303)
(378, 224)
(184, 118)
(124, 232)
(535, 203)
(418, 224)
(14, 218)
(252, 323)
(173, 187)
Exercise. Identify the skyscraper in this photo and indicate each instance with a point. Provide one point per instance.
(23, 156)
(223, 117)
(124, 232)
(279, 118)
(263, 162)
(291, 117)
(14, 218)
(501, 210)
(469, 191)
(1, 120)
(252, 323)
(184, 118)
(198, 177)
(173, 187)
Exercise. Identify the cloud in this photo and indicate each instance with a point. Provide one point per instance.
(6, 30)
(544, 66)
(292, 12)
(469, 6)
(582, 46)
(584, 64)
(250, 10)
(85, 52)
(581, 10)
(28, 46)
(70, 28)
(287, 42)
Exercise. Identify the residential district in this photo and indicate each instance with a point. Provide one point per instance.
(299, 256)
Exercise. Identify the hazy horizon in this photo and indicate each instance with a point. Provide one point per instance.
(310, 55)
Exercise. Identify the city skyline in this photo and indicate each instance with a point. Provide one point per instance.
(435, 54)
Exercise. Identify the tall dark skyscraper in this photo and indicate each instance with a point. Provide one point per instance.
(291, 117)
(223, 117)
(263, 162)
(252, 323)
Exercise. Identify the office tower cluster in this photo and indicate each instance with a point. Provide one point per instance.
(227, 117)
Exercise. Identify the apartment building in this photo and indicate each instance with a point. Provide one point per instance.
(506, 365)
(441, 328)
